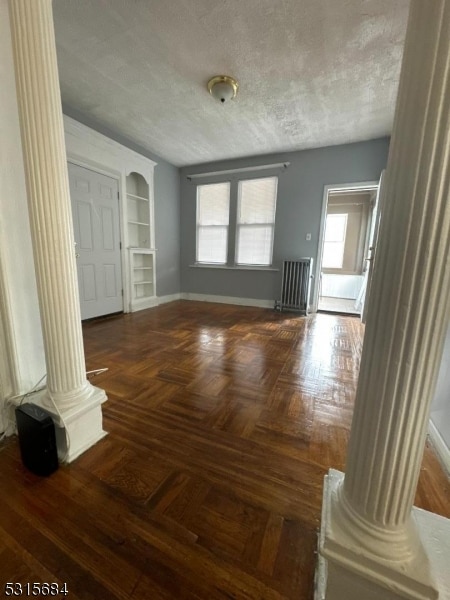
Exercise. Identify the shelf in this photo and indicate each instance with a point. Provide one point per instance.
(137, 197)
(142, 252)
(142, 258)
(139, 223)
(138, 211)
(137, 186)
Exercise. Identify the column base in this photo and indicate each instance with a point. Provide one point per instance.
(346, 572)
(80, 427)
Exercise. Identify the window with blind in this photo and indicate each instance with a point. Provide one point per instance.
(256, 221)
(213, 210)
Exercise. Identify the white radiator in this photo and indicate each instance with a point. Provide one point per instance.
(295, 285)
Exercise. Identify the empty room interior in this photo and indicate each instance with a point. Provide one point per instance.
(225, 299)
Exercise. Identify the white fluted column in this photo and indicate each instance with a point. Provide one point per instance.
(371, 531)
(49, 206)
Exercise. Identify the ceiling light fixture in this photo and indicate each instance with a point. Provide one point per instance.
(223, 88)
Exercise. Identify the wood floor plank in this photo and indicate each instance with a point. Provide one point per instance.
(222, 421)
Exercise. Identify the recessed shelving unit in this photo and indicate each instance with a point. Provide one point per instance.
(142, 273)
(142, 256)
(138, 211)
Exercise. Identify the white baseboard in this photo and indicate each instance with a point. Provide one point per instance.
(142, 304)
(442, 450)
(168, 298)
(157, 301)
(228, 300)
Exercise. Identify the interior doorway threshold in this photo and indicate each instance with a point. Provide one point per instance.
(344, 306)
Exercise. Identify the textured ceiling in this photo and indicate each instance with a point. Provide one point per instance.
(312, 72)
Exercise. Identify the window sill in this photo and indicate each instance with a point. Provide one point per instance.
(233, 267)
(341, 272)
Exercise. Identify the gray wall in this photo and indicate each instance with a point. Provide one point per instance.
(167, 208)
(440, 408)
(299, 206)
(167, 228)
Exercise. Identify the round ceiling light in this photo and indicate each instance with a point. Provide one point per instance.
(223, 88)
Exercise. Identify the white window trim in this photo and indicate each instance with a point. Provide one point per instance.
(270, 224)
(232, 252)
(198, 225)
(233, 267)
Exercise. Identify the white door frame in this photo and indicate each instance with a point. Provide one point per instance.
(363, 186)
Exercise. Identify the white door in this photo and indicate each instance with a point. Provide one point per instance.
(95, 210)
(373, 236)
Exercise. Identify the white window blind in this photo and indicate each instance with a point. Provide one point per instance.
(256, 221)
(334, 244)
(213, 209)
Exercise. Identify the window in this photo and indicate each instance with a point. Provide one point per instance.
(252, 203)
(213, 210)
(256, 221)
(334, 244)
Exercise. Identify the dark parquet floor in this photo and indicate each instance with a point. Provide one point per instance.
(222, 423)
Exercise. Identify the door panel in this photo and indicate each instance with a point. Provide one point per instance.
(95, 210)
(83, 226)
(107, 229)
(87, 283)
(110, 277)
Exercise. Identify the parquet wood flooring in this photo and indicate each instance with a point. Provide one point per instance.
(222, 423)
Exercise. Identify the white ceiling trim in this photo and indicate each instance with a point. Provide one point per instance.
(283, 166)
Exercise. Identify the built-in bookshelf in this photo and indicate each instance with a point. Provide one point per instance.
(138, 211)
(142, 273)
(142, 255)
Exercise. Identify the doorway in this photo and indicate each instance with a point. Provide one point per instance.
(95, 210)
(348, 214)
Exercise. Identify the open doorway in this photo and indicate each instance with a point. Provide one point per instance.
(348, 215)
